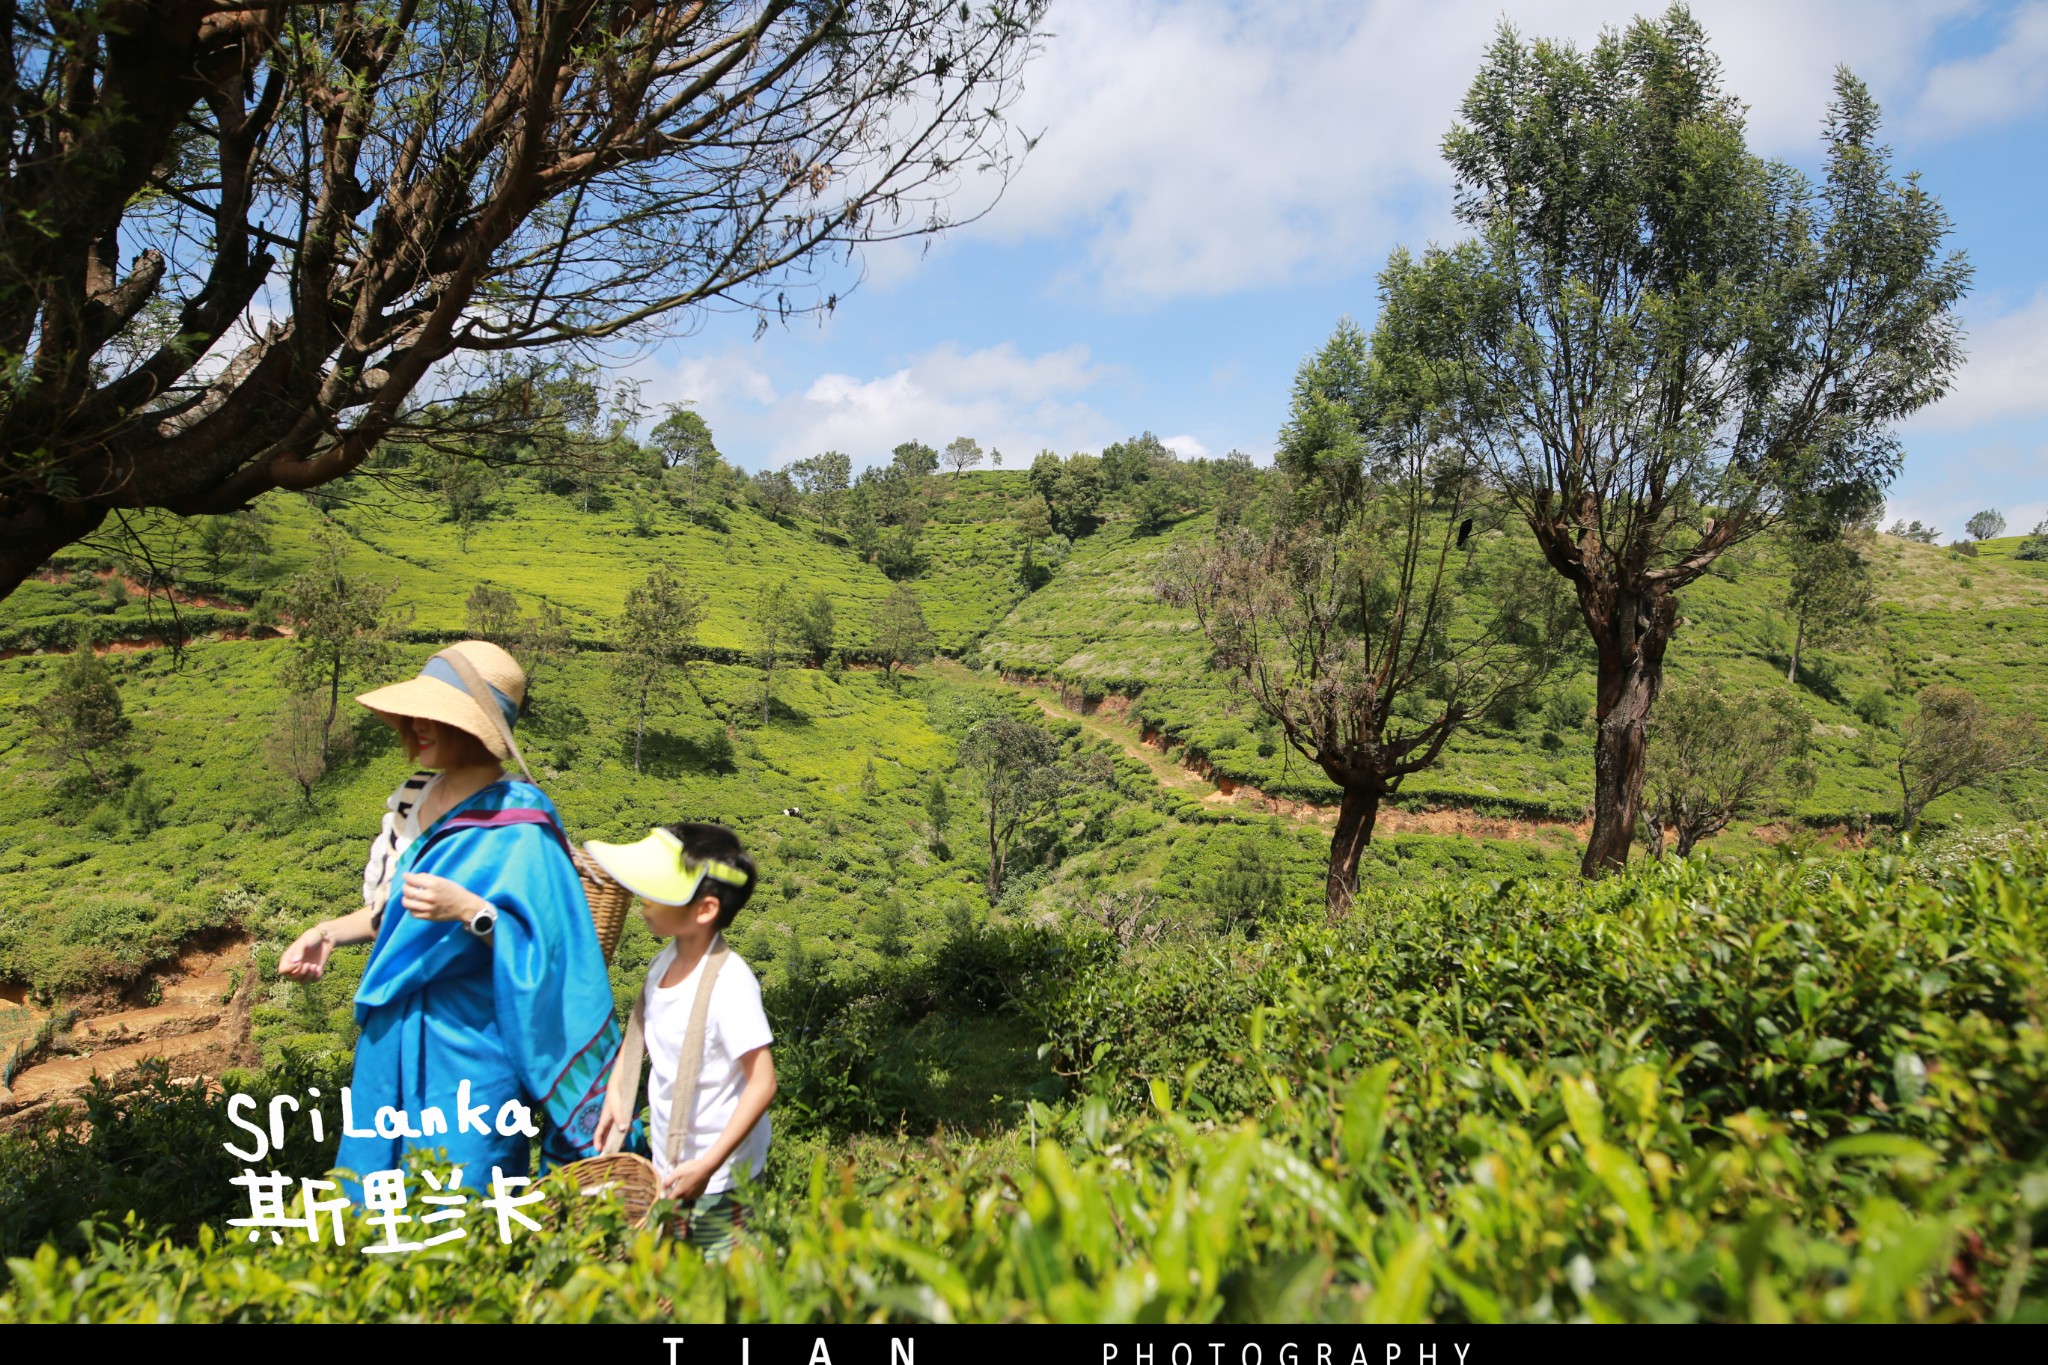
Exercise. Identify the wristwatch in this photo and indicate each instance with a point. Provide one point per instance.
(483, 922)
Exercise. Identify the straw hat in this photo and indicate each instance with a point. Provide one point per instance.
(438, 694)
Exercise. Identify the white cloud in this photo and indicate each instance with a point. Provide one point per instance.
(1187, 447)
(1001, 397)
(1994, 86)
(2006, 375)
(1204, 149)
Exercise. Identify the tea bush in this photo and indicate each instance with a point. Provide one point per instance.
(1798, 1090)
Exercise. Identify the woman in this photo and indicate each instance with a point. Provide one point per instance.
(490, 987)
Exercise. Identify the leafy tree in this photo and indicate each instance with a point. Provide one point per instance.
(2035, 546)
(901, 638)
(936, 807)
(424, 190)
(237, 540)
(1015, 765)
(1240, 483)
(771, 628)
(870, 781)
(464, 486)
(81, 720)
(1829, 594)
(1372, 624)
(1663, 342)
(774, 492)
(892, 928)
(1953, 741)
(896, 555)
(914, 459)
(543, 641)
(692, 471)
(296, 743)
(341, 627)
(812, 627)
(1717, 755)
(962, 453)
(1033, 524)
(822, 482)
(1247, 889)
(1925, 535)
(1131, 462)
(1986, 525)
(491, 613)
(652, 638)
(682, 440)
(1072, 489)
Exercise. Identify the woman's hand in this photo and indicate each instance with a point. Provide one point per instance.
(436, 898)
(688, 1180)
(306, 959)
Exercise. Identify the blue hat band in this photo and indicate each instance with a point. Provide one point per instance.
(440, 670)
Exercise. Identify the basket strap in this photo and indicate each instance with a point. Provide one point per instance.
(624, 1086)
(480, 693)
(682, 1107)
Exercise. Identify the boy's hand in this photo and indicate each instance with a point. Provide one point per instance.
(437, 898)
(610, 1133)
(688, 1180)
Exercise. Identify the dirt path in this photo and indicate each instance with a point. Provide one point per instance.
(200, 1024)
(1109, 719)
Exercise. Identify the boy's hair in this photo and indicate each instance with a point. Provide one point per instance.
(701, 841)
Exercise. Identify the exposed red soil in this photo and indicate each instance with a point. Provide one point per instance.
(200, 1024)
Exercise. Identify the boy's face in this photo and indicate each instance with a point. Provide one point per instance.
(668, 921)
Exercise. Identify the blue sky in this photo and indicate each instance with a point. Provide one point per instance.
(1217, 184)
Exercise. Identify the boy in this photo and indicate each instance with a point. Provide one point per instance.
(691, 879)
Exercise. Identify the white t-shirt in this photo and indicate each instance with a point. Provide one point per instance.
(735, 1026)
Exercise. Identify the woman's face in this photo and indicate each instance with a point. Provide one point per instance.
(435, 745)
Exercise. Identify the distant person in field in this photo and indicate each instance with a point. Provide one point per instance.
(485, 982)
(691, 880)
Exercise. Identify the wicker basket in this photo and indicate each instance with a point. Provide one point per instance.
(608, 901)
(632, 1175)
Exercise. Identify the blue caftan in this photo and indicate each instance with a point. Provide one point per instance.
(523, 1014)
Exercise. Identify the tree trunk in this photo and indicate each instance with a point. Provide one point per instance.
(995, 862)
(1656, 836)
(1630, 642)
(639, 728)
(1798, 642)
(333, 710)
(1355, 817)
(32, 528)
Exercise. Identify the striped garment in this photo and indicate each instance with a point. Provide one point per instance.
(401, 827)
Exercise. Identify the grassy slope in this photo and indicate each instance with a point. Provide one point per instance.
(1098, 627)
(88, 900)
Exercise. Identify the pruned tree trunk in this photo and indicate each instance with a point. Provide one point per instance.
(1355, 818)
(1631, 640)
(333, 710)
(1798, 643)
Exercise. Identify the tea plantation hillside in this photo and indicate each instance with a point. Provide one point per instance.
(546, 547)
(1980, 622)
